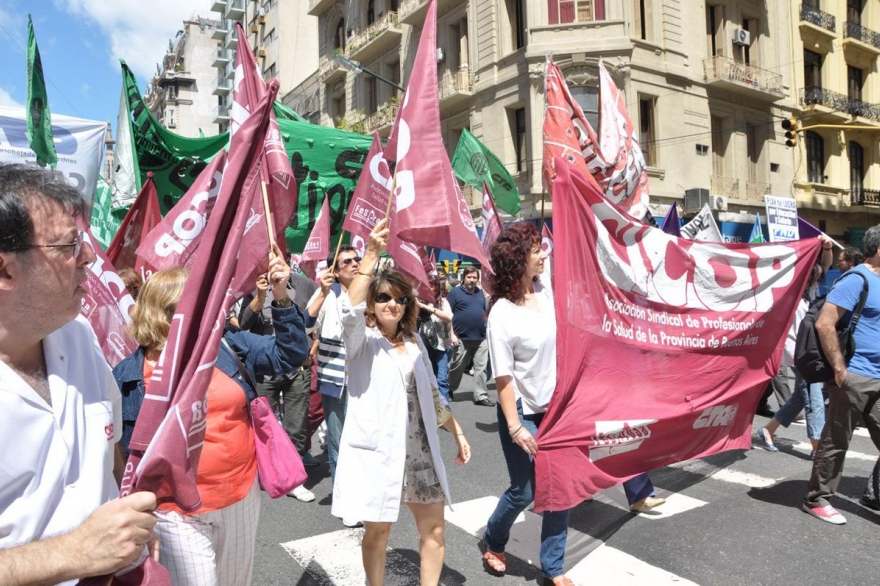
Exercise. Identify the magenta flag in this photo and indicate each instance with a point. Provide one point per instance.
(636, 309)
(175, 240)
(170, 429)
(367, 208)
(431, 209)
(141, 218)
(107, 303)
(318, 245)
(546, 240)
(491, 221)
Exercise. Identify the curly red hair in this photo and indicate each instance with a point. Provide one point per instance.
(509, 254)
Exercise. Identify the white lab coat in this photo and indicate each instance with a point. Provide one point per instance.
(372, 450)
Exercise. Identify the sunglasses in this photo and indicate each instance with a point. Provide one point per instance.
(386, 298)
(347, 261)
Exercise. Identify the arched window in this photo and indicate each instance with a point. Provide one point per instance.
(339, 36)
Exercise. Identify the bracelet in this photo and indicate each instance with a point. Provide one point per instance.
(826, 248)
(514, 433)
(365, 274)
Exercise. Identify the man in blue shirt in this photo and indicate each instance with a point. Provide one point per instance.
(856, 386)
(468, 305)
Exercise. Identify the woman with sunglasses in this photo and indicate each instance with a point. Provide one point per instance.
(390, 448)
(522, 343)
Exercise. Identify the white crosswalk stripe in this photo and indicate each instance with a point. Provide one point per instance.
(725, 474)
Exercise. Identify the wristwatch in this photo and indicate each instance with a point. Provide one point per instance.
(286, 302)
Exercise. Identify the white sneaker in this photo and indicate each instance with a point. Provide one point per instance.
(301, 493)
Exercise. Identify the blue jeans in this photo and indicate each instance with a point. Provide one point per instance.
(638, 488)
(519, 495)
(440, 364)
(334, 415)
(807, 397)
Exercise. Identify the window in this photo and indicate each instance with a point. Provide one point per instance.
(753, 151)
(748, 54)
(647, 138)
(643, 20)
(339, 36)
(815, 157)
(169, 118)
(371, 12)
(588, 99)
(719, 145)
(393, 69)
(513, 35)
(371, 100)
(270, 72)
(854, 82)
(854, 11)
(392, 5)
(517, 119)
(337, 105)
(566, 11)
(856, 170)
(812, 69)
(715, 29)
(269, 37)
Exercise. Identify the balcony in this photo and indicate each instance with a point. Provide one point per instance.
(222, 30)
(221, 114)
(821, 24)
(235, 9)
(219, 6)
(822, 196)
(382, 119)
(864, 197)
(330, 71)
(319, 7)
(864, 109)
(456, 87)
(221, 58)
(414, 11)
(231, 38)
(376, 39)
(756, 190)
(726, 186)
(176, 74)
(729, 75)
(222, 86)
(831, 106)
(860, 39)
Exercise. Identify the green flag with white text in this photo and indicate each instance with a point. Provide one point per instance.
(39, 121)
(473, 163)
(104, 223)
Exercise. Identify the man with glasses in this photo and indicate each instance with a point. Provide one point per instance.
(60, 404)
(325, 315)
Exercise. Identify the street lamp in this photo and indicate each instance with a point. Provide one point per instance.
(358, 68)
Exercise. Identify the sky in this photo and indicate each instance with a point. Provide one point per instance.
(81, 42)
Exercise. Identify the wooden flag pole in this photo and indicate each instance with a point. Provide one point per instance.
(332, 267)
(391, 194)
(269, 227)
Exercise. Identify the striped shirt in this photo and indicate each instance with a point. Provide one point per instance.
(331, 350)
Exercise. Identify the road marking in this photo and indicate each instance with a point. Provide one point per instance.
(861, 431)
(617, 567)
(850, 454)
(725, 474)
(612, 567)
(334, 559)
(675, 503)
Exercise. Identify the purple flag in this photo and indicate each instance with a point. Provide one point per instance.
(807, 230)
(671, 223)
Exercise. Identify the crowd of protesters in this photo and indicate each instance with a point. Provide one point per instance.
(358, 351)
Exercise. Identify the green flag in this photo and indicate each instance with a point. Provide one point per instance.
(103, 223)
(39, 121)
(473, 163)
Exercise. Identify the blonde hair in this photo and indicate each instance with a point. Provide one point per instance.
(151, 316)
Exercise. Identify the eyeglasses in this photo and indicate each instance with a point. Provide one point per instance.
(347, 261)
(386, 298)
(77, 244)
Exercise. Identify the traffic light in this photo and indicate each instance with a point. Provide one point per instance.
(790, 127)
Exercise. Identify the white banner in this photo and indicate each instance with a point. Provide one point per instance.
(782, 218)
(78, 142)
(702, 227)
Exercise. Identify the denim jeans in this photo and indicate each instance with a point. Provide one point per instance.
(334, 415)
(638, 488)
(520, 494)
(806, 397)
(440, 363)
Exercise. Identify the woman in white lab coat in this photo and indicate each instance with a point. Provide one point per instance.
(390, 450)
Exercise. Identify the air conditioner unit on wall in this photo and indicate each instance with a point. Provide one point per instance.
(255, 28)
(718, 203)
(695, 198)
(741, 37)
(263, 53)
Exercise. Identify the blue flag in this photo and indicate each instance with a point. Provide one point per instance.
(757, 234)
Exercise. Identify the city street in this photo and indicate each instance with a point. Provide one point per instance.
(731, 519)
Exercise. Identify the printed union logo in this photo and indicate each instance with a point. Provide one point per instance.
(717, 416)
(313, 244)
(618, 437)
(479, 163)
(366, 214)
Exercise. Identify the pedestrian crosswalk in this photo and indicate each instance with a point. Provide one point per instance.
(334, 558)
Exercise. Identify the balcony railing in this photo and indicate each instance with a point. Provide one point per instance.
(855, 30)
(327, 68)
(813, 95)
(864, 197)
(461, 81)
(726, 186)
(864, 109)
(235, 8)
(756, 190)
(221, 114)
(727, 69)
(221, 86)
(365, 36)
(383, 117)
(819, 18)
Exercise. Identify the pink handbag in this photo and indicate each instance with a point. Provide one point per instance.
(279, 465)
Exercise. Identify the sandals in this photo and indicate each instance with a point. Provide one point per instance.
(566, 581)
(496, 563)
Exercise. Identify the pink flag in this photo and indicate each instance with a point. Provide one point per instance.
(491, 221)
(174, 242)
(318, 245)
(636, 310)
(430, 264)
(546, 240)
(431, 210)
(142, 217)
(367, 208)
(107, 303)
(170, 428)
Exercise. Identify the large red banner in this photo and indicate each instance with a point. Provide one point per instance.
(142, 217)
(664, 344)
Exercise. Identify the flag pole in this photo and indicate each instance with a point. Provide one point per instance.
(336, 254)
(269, 227)
(543, 195)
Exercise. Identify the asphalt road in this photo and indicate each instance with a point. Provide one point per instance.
(731, 519)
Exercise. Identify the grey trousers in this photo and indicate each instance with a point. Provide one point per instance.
(290, 399)
(856, 399)
(467, 352)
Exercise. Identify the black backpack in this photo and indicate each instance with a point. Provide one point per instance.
(808, 356)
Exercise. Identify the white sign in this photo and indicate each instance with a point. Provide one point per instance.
(782, 218)
(78, 142)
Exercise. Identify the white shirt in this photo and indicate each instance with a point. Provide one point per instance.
(56, 465)
(522, 344)
(791, 339)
